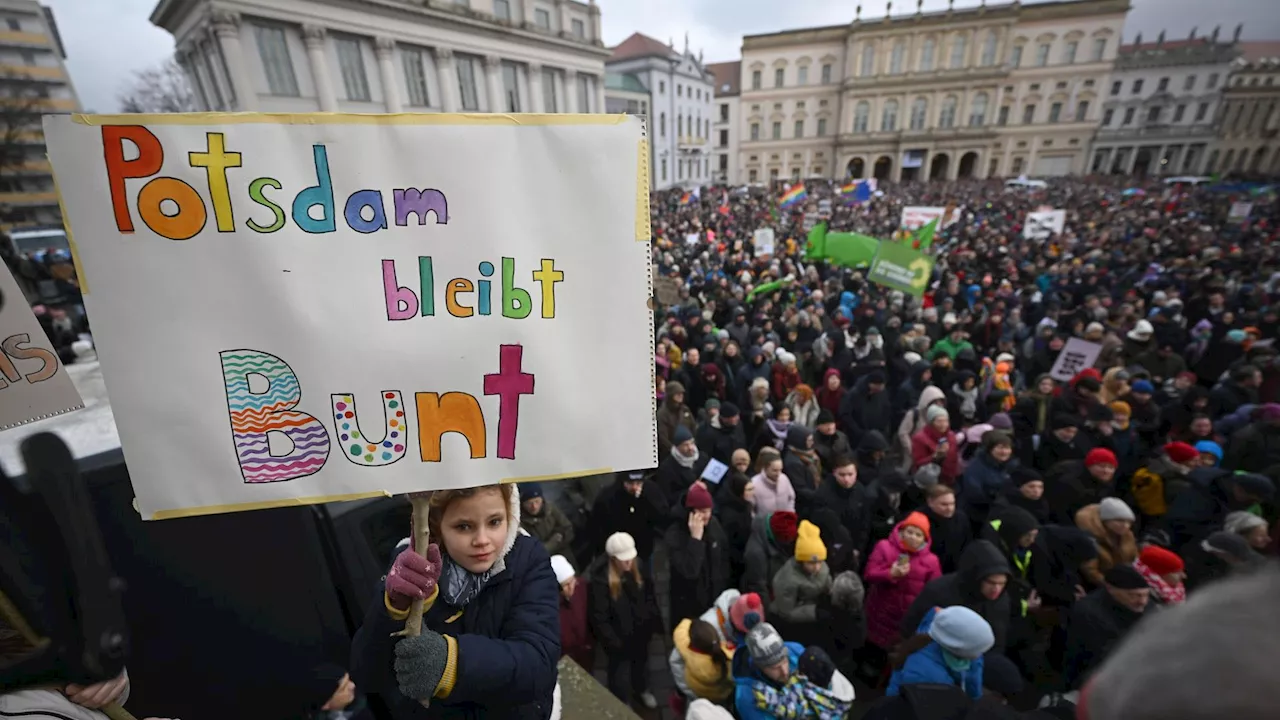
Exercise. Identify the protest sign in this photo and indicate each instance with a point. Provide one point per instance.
(691, 239)
(33, 383)
(900, 267)
(1075, 356)
(1240, 211)
(306, 308)
(1044, 225)
(916, 216)
(667, 290)
(763, 239)
(714, 471)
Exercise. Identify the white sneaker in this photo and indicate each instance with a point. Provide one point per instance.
(649, 700)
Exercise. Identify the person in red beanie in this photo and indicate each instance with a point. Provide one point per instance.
(1164, 571)
(1155, 485)
(699, 556)
(770, 547)
(1074, 485)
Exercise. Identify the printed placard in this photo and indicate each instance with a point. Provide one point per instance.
(1240, 211)
(33, 383)
(763, 239)
(1044, 224)
(1075, 356)
(305, 308)
(899, 266)
(915, 217)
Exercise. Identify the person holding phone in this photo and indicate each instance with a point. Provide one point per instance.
(897, 570)
(934, 445)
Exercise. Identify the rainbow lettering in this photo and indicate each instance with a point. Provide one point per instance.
(257, 413)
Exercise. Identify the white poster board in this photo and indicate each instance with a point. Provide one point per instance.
(691, 239)
(1075, 356)
(1044, 224)
(915, 217)
(1240, 211)
(33, 383)
(307, 308)
(763, 239)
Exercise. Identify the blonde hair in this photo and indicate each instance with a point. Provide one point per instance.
(441, 499)
(766, 457)
(615, 578)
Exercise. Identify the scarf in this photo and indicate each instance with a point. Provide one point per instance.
(1168, 594)
(797, 699)
(685, 461)
(968, 400)
(811, 463)
(779, 430)
(459, 586)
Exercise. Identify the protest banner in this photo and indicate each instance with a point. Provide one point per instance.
(666, 290)
(1239, 212)
(1044, 225)
(306, 308)
(763, 238)
(916, 216)
(1075, 356)
(34, 385)
(900, 267)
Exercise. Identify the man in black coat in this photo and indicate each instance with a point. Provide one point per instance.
(829, 442)
(634, 505)
(1201, 509)
(698, 551)
(682, 466)
(844, 494)
(1241, 388)
(721, 434)
(1100, 621)
(950, 529)
(867, 407)
(979, 585)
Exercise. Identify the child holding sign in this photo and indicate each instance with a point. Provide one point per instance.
(491, 629)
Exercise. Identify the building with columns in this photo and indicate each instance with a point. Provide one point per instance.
(1160, 109)
(984, 91)
(680, 92)
(1249, 120)
(390, 55)
(725, 124)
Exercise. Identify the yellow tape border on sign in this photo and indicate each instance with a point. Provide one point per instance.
(514, 119)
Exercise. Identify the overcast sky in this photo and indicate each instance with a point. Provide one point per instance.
(108, 40)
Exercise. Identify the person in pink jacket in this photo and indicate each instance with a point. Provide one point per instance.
(773, 491)
(897, 571)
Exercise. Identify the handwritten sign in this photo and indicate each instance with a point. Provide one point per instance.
(1239, 212)
(915, 217)
(763, 239)
(1075, 356)
(1044, 224)
(33, 383)
(299, 308)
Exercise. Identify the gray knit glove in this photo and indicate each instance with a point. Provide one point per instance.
(420, 663)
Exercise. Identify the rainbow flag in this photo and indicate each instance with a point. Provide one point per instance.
(685, 199)
(795, 195)
(849, 188)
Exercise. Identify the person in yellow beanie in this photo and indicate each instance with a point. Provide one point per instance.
(798, 585)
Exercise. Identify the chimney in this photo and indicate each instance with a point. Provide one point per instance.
(1160, 39)
(1239, 29)
(1192, 36)
(1137, 41)
(1214, 37)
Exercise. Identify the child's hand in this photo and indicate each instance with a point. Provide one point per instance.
(413, 576)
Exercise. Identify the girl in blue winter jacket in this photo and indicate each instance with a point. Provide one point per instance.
(491, 629)
(946, 650)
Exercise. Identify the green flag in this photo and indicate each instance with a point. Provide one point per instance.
(768, 288)
(923, 237)
(816, 247)
(900, 267)
(851, 249)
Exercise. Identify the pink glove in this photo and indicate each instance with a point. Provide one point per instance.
(413, 576)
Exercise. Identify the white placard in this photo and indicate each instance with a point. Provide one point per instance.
(714, 471)
(763, 239)
(915, 217)
(308, 308)
(1075, 356)
(1240, 211)
(1044, 225)
(691, 239)
(33, 383)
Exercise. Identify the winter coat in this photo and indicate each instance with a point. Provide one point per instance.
(507, 639)
(718, 442)
(914, 420)
(964, 587)
(1070, 487)
(948, 537)
(1156, 485)
(1095, 627)
(576, 639)
(802, 413)
(984, 480)
(735, 515)
(763, 559)
(39, 704)
(830, 447)
(1053, 451)
(701, 676)
(852, 506)
(772, 497)
(886, 510)
(718, 617)
(671, 415)
(862, 411)
(699, 568)
(889, 598)
(622, 625)
(924, 445)
(1254, 448)
(1227, 396)
(927, 665)
(552, 528)
(616, 510)
(801, 464)
(1057, 562)
(674, 478)
(756, 697)
(796, 593)
(1112, 551)
(1200, 510)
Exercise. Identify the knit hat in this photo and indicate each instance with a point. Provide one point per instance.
(1124, 577)
(1242, 522)
(529, 491)
(1101, 413)
(992, 438)
(682, 434)
(621, 546)
(1118, 407)
(1000, 674)
(1161, 561)
(1001, 421)
(746, 612)
(1091, 384)
(698, 497)
(824, 416)
(783, 525)
(916, 520)
(765, 646)
(1269, 412)
(1181, 453)
(711, 404)
(1231, 545)
(934, 412)
(561, 566)
(809, 547)
(817, 666)
(847, 591)
(1259, 486)
(894, 481)
(728, 411)
(674, 387)
(1115, 509)
(1023, 475)
(1101, 456)
(1143, 386)
(962, 632)
(1142, 331)
(1065, 420)
(1209, 447)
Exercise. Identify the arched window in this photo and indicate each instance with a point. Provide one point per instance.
(989, 49)
(868, 58)
(926, 54)
(897, 56)
(958, 50)
(861, 116)
(919, 112)
(947, 115)
(978, 113)
(889, 118)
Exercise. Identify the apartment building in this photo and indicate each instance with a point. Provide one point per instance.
(725, 125)
(1249, 120)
